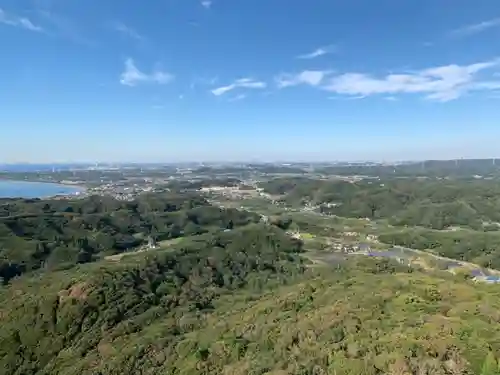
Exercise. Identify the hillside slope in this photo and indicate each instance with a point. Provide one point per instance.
(243, 303)
(58, 234)
(68, 322)
(430, 203)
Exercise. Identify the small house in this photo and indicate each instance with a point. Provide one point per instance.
(477, 273)
(364, 247)
(492, 279)
(152, 243)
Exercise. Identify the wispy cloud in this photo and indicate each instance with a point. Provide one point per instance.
(132, 76)
(206, 3)
(238, 98)
(443, 83)
(476, 28)
(307, 77)
(127, 31)
(321, 51)
(357, 97)
(64, 27)
(391, 98)
(16, 21)
(202, 81)
(248, 83)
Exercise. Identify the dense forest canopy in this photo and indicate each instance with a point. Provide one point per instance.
(227, 294)
(242, 302)
(54, 234)
(436, 204)
(73, 323)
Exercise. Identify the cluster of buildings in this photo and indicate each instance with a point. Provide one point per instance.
(233, 192)
(236, 192)
(477, 274)
(120, 191)
(484, 277)
(349, 248)
(491, 279)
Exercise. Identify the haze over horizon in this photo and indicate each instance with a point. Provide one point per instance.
(292, 161)
(201, 80)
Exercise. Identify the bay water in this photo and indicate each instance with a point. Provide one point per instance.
(25, 189)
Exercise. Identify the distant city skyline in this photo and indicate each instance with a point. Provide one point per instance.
(263, 80)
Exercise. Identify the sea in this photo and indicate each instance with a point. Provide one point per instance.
(25, 189)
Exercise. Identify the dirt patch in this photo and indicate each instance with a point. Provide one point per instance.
(106, 350)
(77, 291)
(115, 257)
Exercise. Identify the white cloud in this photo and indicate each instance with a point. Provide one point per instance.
(307, 77)
(16, 21)
(206, 3)
(133, 76)
(476, 28)
(247, 83)
(317, 52)
(202, 81)
(126, 30)
(442, 83)
(238, 97)
(358, 97)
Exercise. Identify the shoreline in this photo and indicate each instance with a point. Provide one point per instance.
(77, 190)
(79, 186)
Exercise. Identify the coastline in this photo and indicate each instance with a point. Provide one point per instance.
(61, 183)
(72, 190)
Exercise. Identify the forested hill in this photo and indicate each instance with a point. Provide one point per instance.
(436, 204)
(130, 317)
(55, 234)
(463, 168)
(236, 302)
(243, 303)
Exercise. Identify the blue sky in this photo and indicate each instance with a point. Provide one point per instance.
(172, 80)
